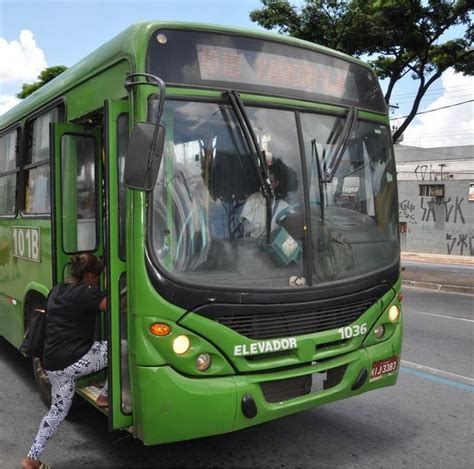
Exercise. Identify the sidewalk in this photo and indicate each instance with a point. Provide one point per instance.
(454, 274)
(437, 258)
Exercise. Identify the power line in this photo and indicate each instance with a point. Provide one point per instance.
(445, 130)
(461, 130)
(437, 109)
(418, 137)
(450, 89)
(461, 127)
(411, 97)
(439, 88)
(454, 95)
(434, 152)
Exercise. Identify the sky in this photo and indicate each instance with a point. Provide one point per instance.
(35, 34)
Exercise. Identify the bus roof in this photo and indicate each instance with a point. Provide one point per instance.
(132, 44)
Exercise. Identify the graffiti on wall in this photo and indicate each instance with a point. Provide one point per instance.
(432, 210)
(460, 243)
(426, 172)
(452, 209)
(407, 211)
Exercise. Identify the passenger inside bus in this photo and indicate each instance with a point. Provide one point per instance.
(209, 214)
(253, 215)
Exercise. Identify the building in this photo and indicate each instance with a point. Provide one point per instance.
(436, 199)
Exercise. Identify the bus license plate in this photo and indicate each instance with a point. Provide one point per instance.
(383, 367)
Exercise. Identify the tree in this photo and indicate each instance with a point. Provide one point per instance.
(400, 36)
(44, 77)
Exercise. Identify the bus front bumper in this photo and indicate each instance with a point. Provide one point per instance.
(172, 407)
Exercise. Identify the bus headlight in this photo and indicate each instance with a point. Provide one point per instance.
(181, 344)
(393, 313)
(379, 331)
(203, 361)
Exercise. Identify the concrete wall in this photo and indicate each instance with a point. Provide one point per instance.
(440, 225)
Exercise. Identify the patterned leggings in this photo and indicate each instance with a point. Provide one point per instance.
(63, 385)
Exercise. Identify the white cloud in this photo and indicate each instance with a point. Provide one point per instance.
(453, 126)
(7, 102)
(21, 60)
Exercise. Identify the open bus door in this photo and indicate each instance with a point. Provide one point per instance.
(80, 208)
(77, 208)
(77, 195)
(116, 122)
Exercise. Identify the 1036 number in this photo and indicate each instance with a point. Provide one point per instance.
(352, 331)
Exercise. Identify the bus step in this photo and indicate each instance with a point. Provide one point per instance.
(91, 393)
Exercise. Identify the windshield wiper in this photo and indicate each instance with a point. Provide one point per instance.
(340, 143)
(315, 156)
(258, 157)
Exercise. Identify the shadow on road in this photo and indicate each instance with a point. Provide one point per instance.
(338, 434)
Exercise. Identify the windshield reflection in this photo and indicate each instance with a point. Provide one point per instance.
(208, 217)
(209, 213)
(353, 214)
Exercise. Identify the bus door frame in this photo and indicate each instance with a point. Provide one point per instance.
(61, 258)
(116, 271)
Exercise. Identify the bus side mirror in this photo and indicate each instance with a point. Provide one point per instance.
(145, 149)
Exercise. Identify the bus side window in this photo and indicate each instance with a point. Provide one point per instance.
(37, 166)
(8, 172)
(79, 198)
(122, 145)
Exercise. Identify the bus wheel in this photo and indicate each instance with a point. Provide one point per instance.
(42, 381)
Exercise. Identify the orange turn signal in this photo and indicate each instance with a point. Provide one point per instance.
(160, 329)
(400, 297)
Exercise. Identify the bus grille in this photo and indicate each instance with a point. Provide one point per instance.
(273, 325)
(289, 388)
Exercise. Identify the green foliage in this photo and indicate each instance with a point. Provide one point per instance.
(400, 36)
(44, 77)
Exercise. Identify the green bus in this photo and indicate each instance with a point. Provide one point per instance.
(241, 189)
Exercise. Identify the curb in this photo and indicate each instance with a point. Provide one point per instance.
(436, 258)
(439, 288)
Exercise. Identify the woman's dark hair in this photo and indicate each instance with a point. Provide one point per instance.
(84, 263)
(286, 177)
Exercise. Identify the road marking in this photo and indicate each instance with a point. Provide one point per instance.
(438, 379)
(437, 315)
(438, 376)
(435, 371)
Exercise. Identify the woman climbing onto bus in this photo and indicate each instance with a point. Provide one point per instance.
(70, 351)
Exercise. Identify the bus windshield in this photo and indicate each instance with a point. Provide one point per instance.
(208, 213)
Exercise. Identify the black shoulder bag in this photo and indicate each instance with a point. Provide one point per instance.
(33, 341)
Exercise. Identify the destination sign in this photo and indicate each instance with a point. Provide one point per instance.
(245, 66)
(219, 60)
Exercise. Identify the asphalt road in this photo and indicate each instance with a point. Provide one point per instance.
(439, 273)
(448, 270)
(425, 421)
